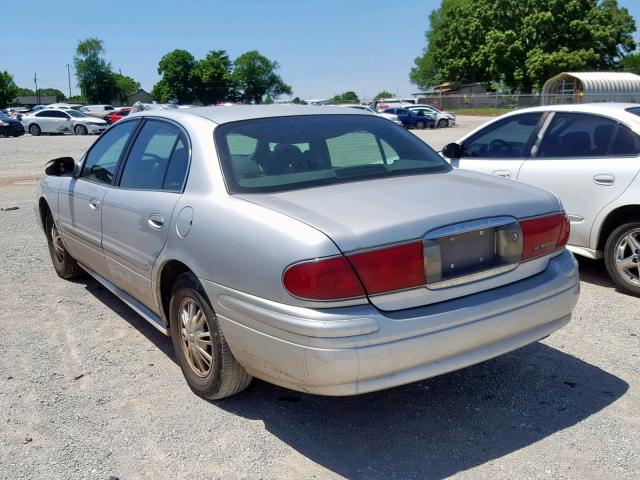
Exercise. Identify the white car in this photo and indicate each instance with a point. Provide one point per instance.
(588, 155)
(61, 120)
(443, 119)
(366, 108)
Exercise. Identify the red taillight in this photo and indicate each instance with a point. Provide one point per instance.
(544, 235)
(391, 268)
(328, 279)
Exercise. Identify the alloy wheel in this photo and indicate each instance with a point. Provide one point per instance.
(627, 256)
(195, 337)
(56, 242)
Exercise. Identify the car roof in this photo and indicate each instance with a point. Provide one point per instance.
(610, 109)
(223, 114)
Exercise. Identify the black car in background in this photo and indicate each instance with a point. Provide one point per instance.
(410, 119)
(10, 127)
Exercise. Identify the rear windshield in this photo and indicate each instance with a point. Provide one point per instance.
(287, 153)
(634, 110)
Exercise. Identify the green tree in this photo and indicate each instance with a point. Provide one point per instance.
(95, 78)
(177, 83)
(255, 77)
(125, 86)
(213, 78)
(346, 97)
(24, 92)
(384, 94)
(54, 92)
(521, 44)
(298, 101)
(8, 89)
(631, 63)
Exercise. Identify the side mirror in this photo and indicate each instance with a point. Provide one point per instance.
(59, 167)
(452, 150)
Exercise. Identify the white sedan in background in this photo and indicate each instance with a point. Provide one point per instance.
(57, 120)
(588, 155)
(366, 108)
(443, 119)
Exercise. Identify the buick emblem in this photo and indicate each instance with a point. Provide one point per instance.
(514, 237)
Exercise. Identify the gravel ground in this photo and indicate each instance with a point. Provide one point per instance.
(88, 390)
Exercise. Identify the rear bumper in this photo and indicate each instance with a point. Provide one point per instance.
(353, 350)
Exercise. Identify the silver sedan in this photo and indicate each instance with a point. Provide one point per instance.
(324, 250)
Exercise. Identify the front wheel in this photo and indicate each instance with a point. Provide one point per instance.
(80, 130)
(622, 257)
(443, 123)
(34, 130)
(63, 263)
(206, 361)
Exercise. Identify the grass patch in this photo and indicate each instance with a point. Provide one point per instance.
(482, 111)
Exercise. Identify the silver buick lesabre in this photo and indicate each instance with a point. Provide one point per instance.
(323, 249)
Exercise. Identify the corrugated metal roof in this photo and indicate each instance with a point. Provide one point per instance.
(601, 86)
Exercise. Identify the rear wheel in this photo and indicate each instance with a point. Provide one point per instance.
(622, 257)
(420, 125)
(34, 130)
(80, 130)
(206, 361)
(63, 263)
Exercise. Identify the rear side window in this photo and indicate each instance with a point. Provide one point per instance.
(577, 135)
(508, 138)
(101, 162)
(285, 153)
(157, 146)
(626, 142)
(45, 113)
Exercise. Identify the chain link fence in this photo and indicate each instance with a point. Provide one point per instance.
(513, 102)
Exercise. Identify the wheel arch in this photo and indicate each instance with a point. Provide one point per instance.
(614, 219)
(167, 275)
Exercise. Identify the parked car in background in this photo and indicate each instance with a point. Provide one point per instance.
(410, 119)
(443, 119)
(62, 120)
(588, 155)
(389, 116)
(10, 127)
(119, 114)
(325, 250)
(64, 106)
(98, 111)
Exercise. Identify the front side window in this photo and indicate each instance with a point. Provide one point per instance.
(508, 138)
(150, 155)
(577, 135)
(101, 162)
(286, 153)
(76, 114)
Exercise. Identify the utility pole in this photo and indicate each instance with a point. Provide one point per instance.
(69, 77)
(35, 80)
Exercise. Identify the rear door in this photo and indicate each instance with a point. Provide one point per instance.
(80, 201)
(137, 213)
(588, 161)
(501, 147)
(46, 121)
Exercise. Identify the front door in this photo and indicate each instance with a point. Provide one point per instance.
(80, 200)
(137, 212)
(588, 161)
(501, 147)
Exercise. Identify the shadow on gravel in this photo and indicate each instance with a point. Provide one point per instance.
(594, 272)
(437, 427)
(430, 429)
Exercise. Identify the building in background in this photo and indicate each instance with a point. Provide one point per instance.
(583, 87)
(33, 100)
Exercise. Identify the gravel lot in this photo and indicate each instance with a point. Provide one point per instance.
(88, 390)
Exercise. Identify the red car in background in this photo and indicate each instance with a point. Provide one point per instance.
(116, 115)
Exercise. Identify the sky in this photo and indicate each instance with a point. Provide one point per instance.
(323, 47)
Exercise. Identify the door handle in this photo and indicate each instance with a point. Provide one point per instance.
(94, 204)
(156, 221)
(604, 179)
(502, 173)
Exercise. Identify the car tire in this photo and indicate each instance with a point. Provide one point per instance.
(624, 244)
(443, 123)
(64, 264)
(80, 130)
(192, 320)
(35, 130)
(420, 125)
